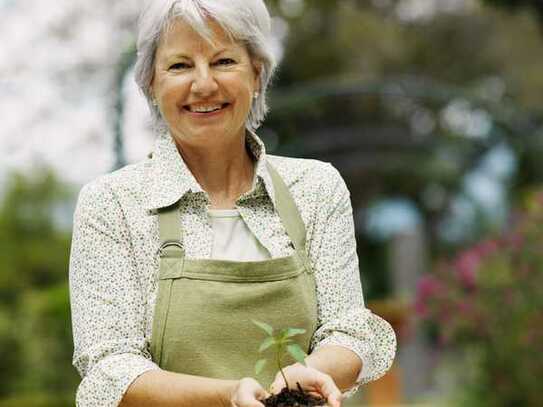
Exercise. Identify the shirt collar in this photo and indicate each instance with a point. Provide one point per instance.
(169, 178)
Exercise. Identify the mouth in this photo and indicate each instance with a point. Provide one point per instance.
(206, 108)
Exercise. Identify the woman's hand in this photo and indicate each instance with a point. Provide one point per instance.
(311, 380)
(247, 393)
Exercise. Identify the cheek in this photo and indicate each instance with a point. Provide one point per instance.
(173, 90)
(239, 84)
(244, 95)
(169, 100)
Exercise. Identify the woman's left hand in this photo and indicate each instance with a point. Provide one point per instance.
(311, 380)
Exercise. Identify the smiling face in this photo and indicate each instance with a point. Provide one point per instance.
(203, 90)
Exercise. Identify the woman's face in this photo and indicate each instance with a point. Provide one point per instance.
(203, 90)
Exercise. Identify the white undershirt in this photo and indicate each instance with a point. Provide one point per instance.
(232, 239)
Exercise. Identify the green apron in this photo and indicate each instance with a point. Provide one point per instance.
(202, 323)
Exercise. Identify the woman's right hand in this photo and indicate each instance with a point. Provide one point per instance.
(247, 393)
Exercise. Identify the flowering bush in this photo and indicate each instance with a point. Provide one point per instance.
(488, 301)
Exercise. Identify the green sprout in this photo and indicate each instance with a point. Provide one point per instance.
(281, 342)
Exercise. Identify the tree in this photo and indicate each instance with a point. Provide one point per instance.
(363, 89)
(536, 5)
(35, 330)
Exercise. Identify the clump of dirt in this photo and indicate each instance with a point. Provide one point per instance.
(293, 398)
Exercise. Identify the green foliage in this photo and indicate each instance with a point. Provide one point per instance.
(38, 400)
(536, 5)
(35, 250)
(35, 330)
(488, 302)
(355, 80)
(283, 344)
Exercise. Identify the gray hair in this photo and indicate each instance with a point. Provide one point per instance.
(246, 21)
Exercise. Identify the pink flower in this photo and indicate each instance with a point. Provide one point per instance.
(467, 278)
(428, 286)
(421, 309)
(466, 268)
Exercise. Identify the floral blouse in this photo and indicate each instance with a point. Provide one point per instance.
(114, 262)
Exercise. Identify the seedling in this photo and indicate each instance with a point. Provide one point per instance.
(283, 345)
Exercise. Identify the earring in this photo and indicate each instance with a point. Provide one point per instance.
(256, 95)
(154, 102)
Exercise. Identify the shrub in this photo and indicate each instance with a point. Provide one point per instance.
(488, 301)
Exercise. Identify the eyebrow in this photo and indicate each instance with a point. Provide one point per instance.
(179, 56)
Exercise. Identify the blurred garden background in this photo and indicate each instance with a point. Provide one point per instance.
(432, 110)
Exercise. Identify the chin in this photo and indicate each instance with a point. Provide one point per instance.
(204, 133)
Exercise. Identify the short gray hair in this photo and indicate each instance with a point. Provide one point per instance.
(247, 21)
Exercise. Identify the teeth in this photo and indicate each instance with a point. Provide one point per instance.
(204, 109)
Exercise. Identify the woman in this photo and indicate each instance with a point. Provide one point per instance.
(172, 257)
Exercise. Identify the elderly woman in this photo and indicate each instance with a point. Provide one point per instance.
(174, 256)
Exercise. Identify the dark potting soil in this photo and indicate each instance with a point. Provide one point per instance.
(293, 398)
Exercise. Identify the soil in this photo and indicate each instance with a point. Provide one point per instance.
(293, 398)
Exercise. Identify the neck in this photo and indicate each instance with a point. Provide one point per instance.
(225, 172)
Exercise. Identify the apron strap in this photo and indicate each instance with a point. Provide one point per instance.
(170, 231)
(288, 212)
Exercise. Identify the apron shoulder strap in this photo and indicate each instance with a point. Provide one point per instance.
(288, 211)
(169, 229)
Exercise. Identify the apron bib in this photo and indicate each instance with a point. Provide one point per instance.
(202, 323)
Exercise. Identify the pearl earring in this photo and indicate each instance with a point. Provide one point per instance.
(154, 102)
(256, 95)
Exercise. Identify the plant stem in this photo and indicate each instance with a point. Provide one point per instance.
(278, 356)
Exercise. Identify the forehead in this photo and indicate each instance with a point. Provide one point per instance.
(180, 37)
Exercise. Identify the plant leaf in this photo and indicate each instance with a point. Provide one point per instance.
(297, 353)
(294, 331)
(260, 365)
(269, 341)
(265, 327)
(282, 335)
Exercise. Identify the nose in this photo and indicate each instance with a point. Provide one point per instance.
(204, 83)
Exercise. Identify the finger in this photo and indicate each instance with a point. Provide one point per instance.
(335, 400)
(259, 392)
(330, 391)
(276, 388)
(262, 394)
(277, 385)
(247, 401)
(249, 393)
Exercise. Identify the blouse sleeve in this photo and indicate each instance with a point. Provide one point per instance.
(343, 319)
(110, 349)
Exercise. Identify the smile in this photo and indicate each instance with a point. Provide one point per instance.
(210, 108)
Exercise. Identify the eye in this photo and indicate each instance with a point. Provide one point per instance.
(179, 65)
(225, 61)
